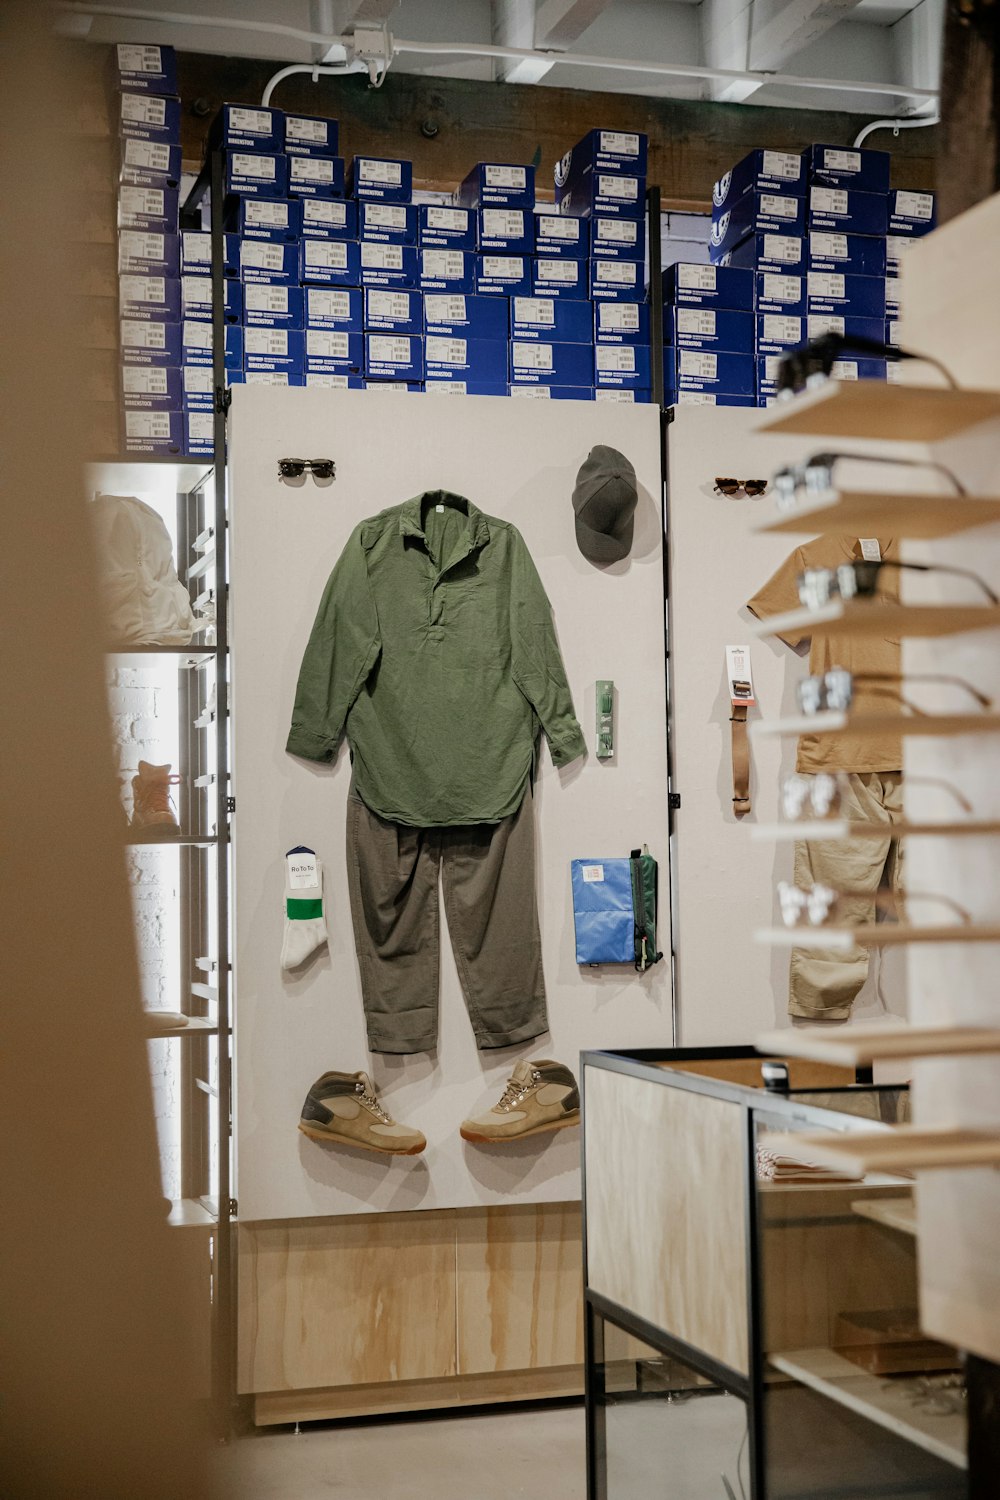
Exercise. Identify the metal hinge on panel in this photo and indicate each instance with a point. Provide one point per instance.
(234, 1208)
(673, 801)
(230, 804)
(223, 399)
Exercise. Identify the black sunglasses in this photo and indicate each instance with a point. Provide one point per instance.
(734, 486)
(800, 367)
(294, 468)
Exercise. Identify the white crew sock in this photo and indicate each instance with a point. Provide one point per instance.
(305, 923)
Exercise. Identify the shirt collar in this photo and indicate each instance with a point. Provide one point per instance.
(411, 514)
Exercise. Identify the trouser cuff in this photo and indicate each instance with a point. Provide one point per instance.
(485, 1040)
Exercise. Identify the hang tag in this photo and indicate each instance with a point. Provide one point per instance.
(439, 509)
(870, 549)
(593, 874)
(303, 871)
(740, 675)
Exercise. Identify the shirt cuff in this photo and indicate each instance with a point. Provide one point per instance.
(568, 748)
(308, 745)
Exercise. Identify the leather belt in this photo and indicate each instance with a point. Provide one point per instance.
(741, 760)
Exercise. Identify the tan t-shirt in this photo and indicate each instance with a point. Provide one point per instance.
(858, 653)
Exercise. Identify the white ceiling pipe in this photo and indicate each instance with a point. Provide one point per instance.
(180, 18)
(913, 123)
(337, 70)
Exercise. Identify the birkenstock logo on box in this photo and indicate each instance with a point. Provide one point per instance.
(720, 191)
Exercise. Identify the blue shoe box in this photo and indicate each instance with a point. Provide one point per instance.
(778, 293)
(610, 194)
(756, 213)
(444, 228)
(625, 366)
(390, 356)
(561, 235)
(858, 296)
(852, 254)
(497, 185)
(503, 275)
(156, 209)
(381, 178)
(331, 351)
(536, 363)
(616, 280)
(616, 239)
(144, 252)
(761, 172)
(277, 219)
(254, 174)
(552, 320)
(481, 361)
(196, 344)
(779, 331)
(552, 276)
(701, 370)
(859, 369)
(892, 296)
(243, 127)
(465, 317)
(912, 213)
(439, 387)
(689, 285)
(388, 265)
(394, 312)
(151, 388)
(199, 433)
(145, 343)
(718, 330)
(707, 398)
(149, 163)
(150, 117)
(765, 252)
(275, 349)
(847, 212)
(158, 433)
(268, 262)
(505, 231)
(849, 327)
(322, 379)
(328, 218)
(607, 151)
(140, 69)
(621, 322)
(339, 308)
(273, 306)
(554, 392)
(196, 299)
(390, 223)
(154, 299)
(861, 171)
(310, 135)
(315, 176)
(622, 397)
(330, 262)
(451, 271)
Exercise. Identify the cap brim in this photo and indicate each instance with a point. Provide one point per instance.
(599, 547)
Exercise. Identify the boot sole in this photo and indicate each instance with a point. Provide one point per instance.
(503, 1140)
(350, 1140)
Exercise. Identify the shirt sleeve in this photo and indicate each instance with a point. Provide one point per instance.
(536, 661)
(343, 648)
(779, 595)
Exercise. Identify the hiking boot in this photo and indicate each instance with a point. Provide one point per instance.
(153, 815)
(539, 1096)
(344, 1107)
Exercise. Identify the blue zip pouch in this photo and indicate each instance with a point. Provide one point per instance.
(614, 910)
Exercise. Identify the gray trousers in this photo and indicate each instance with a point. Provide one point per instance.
(487, 873)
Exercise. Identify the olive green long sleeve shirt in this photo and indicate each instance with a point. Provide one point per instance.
(434, 652)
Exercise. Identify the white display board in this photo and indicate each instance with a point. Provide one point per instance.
(517, 460)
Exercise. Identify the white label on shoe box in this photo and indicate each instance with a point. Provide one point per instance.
(781, 207)
(534, 310)
(695, 320)
(299, 129)
(326, 343)
(443, 308)
(845, 369)
(782, 247)
(503, 223)
(256, 120)
(196, 247)
(896, 245)
(136, 201)
(302, 871)
(141, 335)
(828, 200)
(531, 392)
(625, 231)
(144, 288)
(196, 291)
(782, 164)
(614, 357)
(134, 245)
(617, 270)
(264, 256)
(331, 255)
(266, 298)
(623, 397)
(447, 218)
(134, 58)
(445, 388)
(139, 380)
(782, 330)
(557, 270)
(593, 874)
(778, 288)
(266, 340)
(825, 284)
(383, 349)
(442, 351)
(704, 366)
(266, 377)
(323, 304)
(531, 356)
(389, 304)
(261, 211)
(892, 285)
(324, 211)
(828, 246)
(310, 168)
(389, 172)
(503, 267)
(147, 424)
(819, 324)
(148, 154)
(389, 215)
(618, 187)
(328, 382)
(198, 380)
(842, 161)
(559, 227)
(196, 336)
(914, 205)
(253, 166)
(620, 142)
(696, 278)
(620, 317)
(442, 265)
(147, 109)
(387, 257)
(507, 177)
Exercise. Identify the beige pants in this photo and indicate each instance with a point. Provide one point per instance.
(822, 982)
(487, 873)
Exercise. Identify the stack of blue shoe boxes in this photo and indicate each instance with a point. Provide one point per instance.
(708, 334)
(149, 286)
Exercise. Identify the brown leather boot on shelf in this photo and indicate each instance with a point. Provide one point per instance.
(153, 815)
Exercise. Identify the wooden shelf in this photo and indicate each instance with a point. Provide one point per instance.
(850, 512)
(897, 1213)
(837, 829)
(874, 726)
(175, 841)
(896, 1148)
(873, 617)
(857, 1046)
(874, 935)
(885, 1402)
(871, 409)
(190, 1213)
(196, 1025)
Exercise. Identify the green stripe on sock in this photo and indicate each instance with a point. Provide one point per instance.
(302, 911)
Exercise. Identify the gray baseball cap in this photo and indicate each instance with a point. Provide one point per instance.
(604, 500)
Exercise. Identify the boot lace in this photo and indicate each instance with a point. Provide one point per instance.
(515, 1091)
(370, 1102)
(155, 795)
